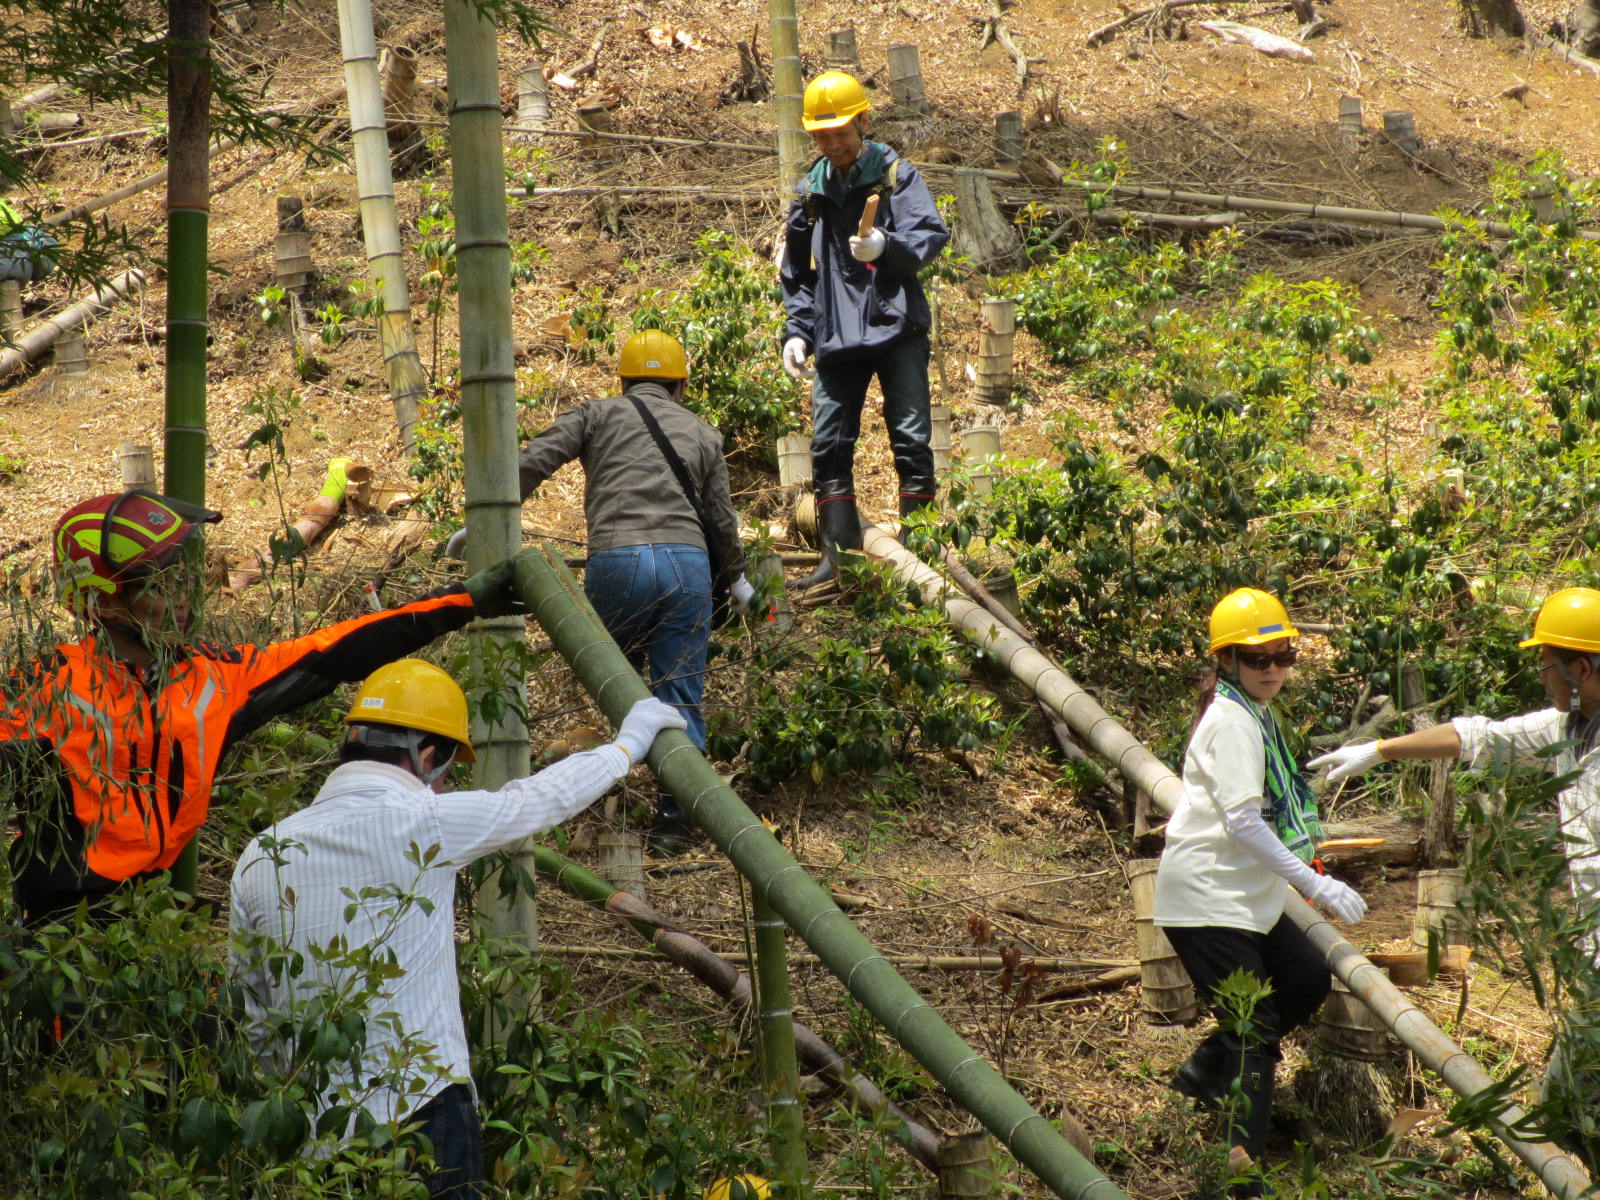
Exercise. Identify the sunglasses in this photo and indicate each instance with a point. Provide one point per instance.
(1260, 662)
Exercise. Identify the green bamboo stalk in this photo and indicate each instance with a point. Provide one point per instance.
(188, 222)
(788, 84)
(488, 396)
(786, 1124)
(1112, 741)
(380, 226)
(558, 605)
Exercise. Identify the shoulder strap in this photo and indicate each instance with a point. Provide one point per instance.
(690, 492)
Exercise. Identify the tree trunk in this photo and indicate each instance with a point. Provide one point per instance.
(1491, 18)
(188, 216)
(488, 402)
(1585, 32)
(380, 227)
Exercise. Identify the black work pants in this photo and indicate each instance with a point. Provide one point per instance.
(1283, 957)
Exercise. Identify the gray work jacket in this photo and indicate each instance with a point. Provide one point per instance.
(630, 495)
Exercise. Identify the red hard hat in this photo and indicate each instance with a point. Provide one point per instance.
(118, 537)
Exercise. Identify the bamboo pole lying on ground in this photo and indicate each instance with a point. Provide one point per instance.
(718, 973)
(557, 603)
(1560, 1174)
(43, 335)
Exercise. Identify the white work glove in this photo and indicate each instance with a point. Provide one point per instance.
(1342, 900)
(1348, 760)
(867, 249)
(742, 593)
(456, 547)
(794, 359)
(644, 720)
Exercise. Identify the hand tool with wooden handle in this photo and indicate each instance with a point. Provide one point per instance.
(869, 214)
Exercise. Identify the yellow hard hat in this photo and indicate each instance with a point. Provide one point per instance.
(653, 354)
(751, 1187)
(1570, 619)
(413, 694)
(832, 99)
(1249, 617)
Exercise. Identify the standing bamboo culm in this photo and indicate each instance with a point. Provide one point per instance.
(786, 1129)
(794, 146)
(188, 228)
(380, 227)
(488, 402)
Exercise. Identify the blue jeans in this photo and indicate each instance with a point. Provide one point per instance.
(656, 602)
(450, 1123)
(837, 398)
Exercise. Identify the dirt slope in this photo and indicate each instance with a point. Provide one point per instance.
(1190, 111)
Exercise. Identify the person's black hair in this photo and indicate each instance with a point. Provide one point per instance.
(394, 756)
(1567, 656)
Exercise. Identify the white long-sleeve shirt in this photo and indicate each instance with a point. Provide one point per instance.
(1223, 865)
(1522, 739)
(367, 872)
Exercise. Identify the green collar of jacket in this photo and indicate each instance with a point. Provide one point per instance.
(823, 180)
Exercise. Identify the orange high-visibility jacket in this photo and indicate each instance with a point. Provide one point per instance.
(110, 767)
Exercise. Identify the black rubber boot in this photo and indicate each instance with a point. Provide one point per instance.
(670, 831)
(1204, 1076)
(839, 524)
(914, 494)
(1247, 1124)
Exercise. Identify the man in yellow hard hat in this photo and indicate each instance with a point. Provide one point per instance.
(856, 305)
(1563, 739)
(663, 538)
(347, 908)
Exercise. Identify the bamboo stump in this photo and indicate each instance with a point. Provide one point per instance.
(794, 460)
(996, 346)
(397, 80)
(1008, 137)
(983, 233)
(622, 860)
(138, 466)
(1167, 995)
(841, 54)
(1437, 917)
(292, 246)
(10, 308)
(8, 122)
(905, 80)
(980, 446)
(1350, 122)
(965, 1168)
(71, 357)
(1401, 130)
(533, 103)
(939, 441)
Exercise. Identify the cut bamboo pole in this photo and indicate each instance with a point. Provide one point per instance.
(965, 1172)
(996, 346)
(719, 974)
(939, 439)
(380, 223)
(557, 603)
(1560, 1174)
(1350, 122)
(41, 337)
(488, 404)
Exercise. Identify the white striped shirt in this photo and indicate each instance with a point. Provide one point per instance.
(371, 864)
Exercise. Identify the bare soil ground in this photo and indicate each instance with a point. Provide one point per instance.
(1011, 847)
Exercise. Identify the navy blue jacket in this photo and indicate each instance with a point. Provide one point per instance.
(841, 308)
